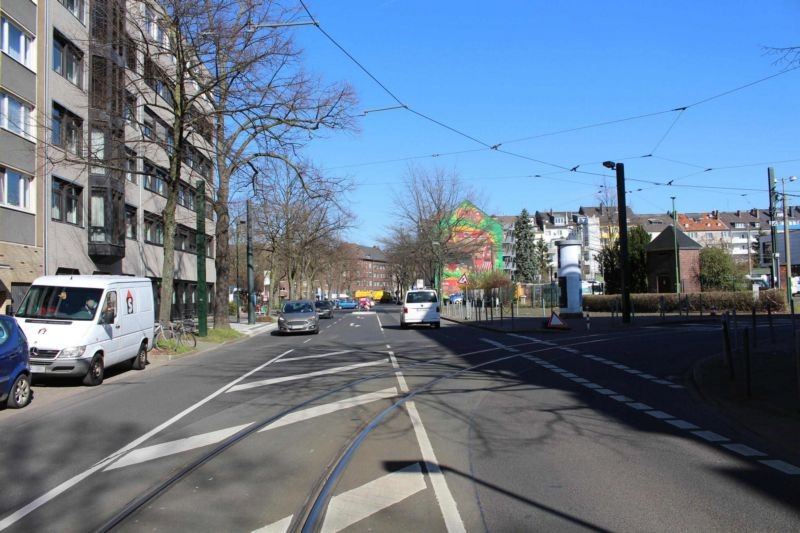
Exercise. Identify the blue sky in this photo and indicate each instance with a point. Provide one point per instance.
(508, 72)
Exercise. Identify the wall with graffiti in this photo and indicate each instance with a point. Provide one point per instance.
(479, 241)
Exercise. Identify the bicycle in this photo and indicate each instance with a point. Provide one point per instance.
(184, 333)
(163, 335)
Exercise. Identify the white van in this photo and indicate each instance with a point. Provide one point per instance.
(79, 325)
(420, 307)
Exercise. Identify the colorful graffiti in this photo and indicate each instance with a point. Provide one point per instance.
(480, 239)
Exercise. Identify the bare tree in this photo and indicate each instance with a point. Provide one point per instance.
(429, 208)
(267, 107)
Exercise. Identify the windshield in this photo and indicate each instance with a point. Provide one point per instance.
(63, 303)
(421, 297)
(298, 307)
(322, 305)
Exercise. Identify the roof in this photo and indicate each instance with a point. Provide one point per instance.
(665, 241)
(366, 253)
(93, 281)
(701, 222)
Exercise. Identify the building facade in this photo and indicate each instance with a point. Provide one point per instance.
(87, 151)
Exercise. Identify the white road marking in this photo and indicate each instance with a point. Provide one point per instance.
(328, 408)
(305, 341)
(66, 485)
(354, 505)
(607, 392)
(682, 424)
(710, 436)
(661, 415)
(273, 381)
(620, 398)
(379, 321)
(592, 386)
(741, 449)
(176, 446)
(640, 406)
(579, 380)
(447, 503)
(782, 466)
(500, 345)
(400, 378)
(317, 356)
(281, 526)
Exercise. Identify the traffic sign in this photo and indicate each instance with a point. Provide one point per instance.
(463, 279)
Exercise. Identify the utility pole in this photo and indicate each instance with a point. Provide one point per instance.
(773, 231)
(251, 274)
(787, 251)
(202, 290)
(677, 261)
(622, 211)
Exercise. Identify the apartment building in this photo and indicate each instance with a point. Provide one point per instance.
(86, 154)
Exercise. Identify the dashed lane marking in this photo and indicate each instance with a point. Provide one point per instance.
(709, 436)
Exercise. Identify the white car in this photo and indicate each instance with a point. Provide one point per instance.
(420, 307)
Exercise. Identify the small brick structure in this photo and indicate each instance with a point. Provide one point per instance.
(661, 262)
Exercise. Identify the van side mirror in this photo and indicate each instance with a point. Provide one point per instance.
(10, 310)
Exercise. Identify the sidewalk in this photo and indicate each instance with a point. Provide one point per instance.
(772, 410)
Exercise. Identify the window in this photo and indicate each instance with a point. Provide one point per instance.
(66, 202)
(155, 178)
(153, 229)
(149, 124)
(67, 59)
(17, 43)
(130, 222)
(186, 196)
(99, 94)
(131, 169)
(16, 116)
(151, 25)
(209, 246)
(97, 216)
(67, 130)
(129, 112)
(155, 78)
(130, 53)
(75, 7)
(97, 139)
(15, 189)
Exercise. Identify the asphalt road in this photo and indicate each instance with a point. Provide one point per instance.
(369, 427)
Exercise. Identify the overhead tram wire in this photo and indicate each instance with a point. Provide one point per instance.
(496, 147)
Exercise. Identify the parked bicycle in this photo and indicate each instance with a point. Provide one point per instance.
(163, 335)
(184, 333)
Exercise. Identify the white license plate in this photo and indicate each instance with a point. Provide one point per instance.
(37, 369)
(295, 327)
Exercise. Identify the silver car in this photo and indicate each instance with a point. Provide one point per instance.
(298, 316)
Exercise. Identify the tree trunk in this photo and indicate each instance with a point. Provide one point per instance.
(168, 265)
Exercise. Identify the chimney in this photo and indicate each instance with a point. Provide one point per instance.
(738, 213)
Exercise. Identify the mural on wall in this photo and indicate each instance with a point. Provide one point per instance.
(480, 238)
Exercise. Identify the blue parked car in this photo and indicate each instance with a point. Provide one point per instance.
(15, 369)
(347, 303)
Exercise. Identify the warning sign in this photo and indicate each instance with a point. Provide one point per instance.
(555, 322)
(463, 279)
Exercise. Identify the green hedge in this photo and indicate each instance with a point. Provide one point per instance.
(774, 299)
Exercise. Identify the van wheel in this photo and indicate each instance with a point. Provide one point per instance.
(94, 376)
(20, 394)
(140, 361)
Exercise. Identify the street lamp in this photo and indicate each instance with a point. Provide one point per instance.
(622, 211)
(675, 245)
(787, 251)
